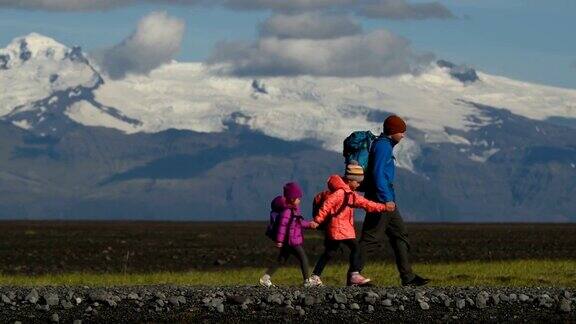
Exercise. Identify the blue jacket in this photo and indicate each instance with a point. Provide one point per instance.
(381, 170)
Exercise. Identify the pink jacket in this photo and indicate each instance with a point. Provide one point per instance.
(290, 223)
(341, 226)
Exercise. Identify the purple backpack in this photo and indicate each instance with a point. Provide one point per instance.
(277, 205)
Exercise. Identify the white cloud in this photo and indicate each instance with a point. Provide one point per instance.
(87, 5)
(286, 5)
(379, 53)
(64, 5)
(312, 25)
(401, 9)
(156, 41)
(390, 9)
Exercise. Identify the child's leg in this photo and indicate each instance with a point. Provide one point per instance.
(280, 260)
(330, 249)
(355, 255)
(301, 255)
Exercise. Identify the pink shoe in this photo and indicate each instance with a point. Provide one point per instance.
(356, 279)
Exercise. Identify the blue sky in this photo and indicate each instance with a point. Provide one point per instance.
(524, 39)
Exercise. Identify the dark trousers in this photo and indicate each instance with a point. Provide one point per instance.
(330, 250)
(285, 252)
(390, 224)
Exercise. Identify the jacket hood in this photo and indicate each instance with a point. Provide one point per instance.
(279, 203)
(336, 182)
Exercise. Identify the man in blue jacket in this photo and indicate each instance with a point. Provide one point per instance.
(379, 187)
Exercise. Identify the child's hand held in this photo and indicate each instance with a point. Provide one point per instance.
(390, 206)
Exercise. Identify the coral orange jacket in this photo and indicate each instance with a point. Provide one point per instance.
(341, 226)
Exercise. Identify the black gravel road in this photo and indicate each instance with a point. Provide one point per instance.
(286, 304)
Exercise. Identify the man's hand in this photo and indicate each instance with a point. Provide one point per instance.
(390, 206)
(279, 244)
(314, 225)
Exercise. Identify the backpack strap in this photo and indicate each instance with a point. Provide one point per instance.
(341, 208)
(292, 216)
(289, 225)
(344, 203)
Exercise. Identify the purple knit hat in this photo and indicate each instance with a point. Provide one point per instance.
(292, 190)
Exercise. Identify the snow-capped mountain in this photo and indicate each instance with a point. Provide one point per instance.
(457, 116)
(43, 76)
(43, 82)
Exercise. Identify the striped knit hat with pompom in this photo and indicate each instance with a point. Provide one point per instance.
(354, 171)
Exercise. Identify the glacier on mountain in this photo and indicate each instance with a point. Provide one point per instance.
(438, 103)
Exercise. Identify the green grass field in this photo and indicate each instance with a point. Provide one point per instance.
(543, 273)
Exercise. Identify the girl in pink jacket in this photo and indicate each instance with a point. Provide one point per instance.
(337, 211)
(286, 229)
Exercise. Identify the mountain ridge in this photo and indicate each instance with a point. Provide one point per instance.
(184, 143)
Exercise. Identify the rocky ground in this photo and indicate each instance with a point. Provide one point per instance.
(294, 304)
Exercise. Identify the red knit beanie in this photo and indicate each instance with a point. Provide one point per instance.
(393, 125)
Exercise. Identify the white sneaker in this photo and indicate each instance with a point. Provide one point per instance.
(313, 281)
(265, 281)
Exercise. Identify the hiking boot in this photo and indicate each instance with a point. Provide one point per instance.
(356, 279)
(265, 281)
(313, 281)
(416, 281)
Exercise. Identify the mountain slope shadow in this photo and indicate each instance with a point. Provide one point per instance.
(186, 166)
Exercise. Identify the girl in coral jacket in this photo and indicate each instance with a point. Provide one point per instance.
(337, 212)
